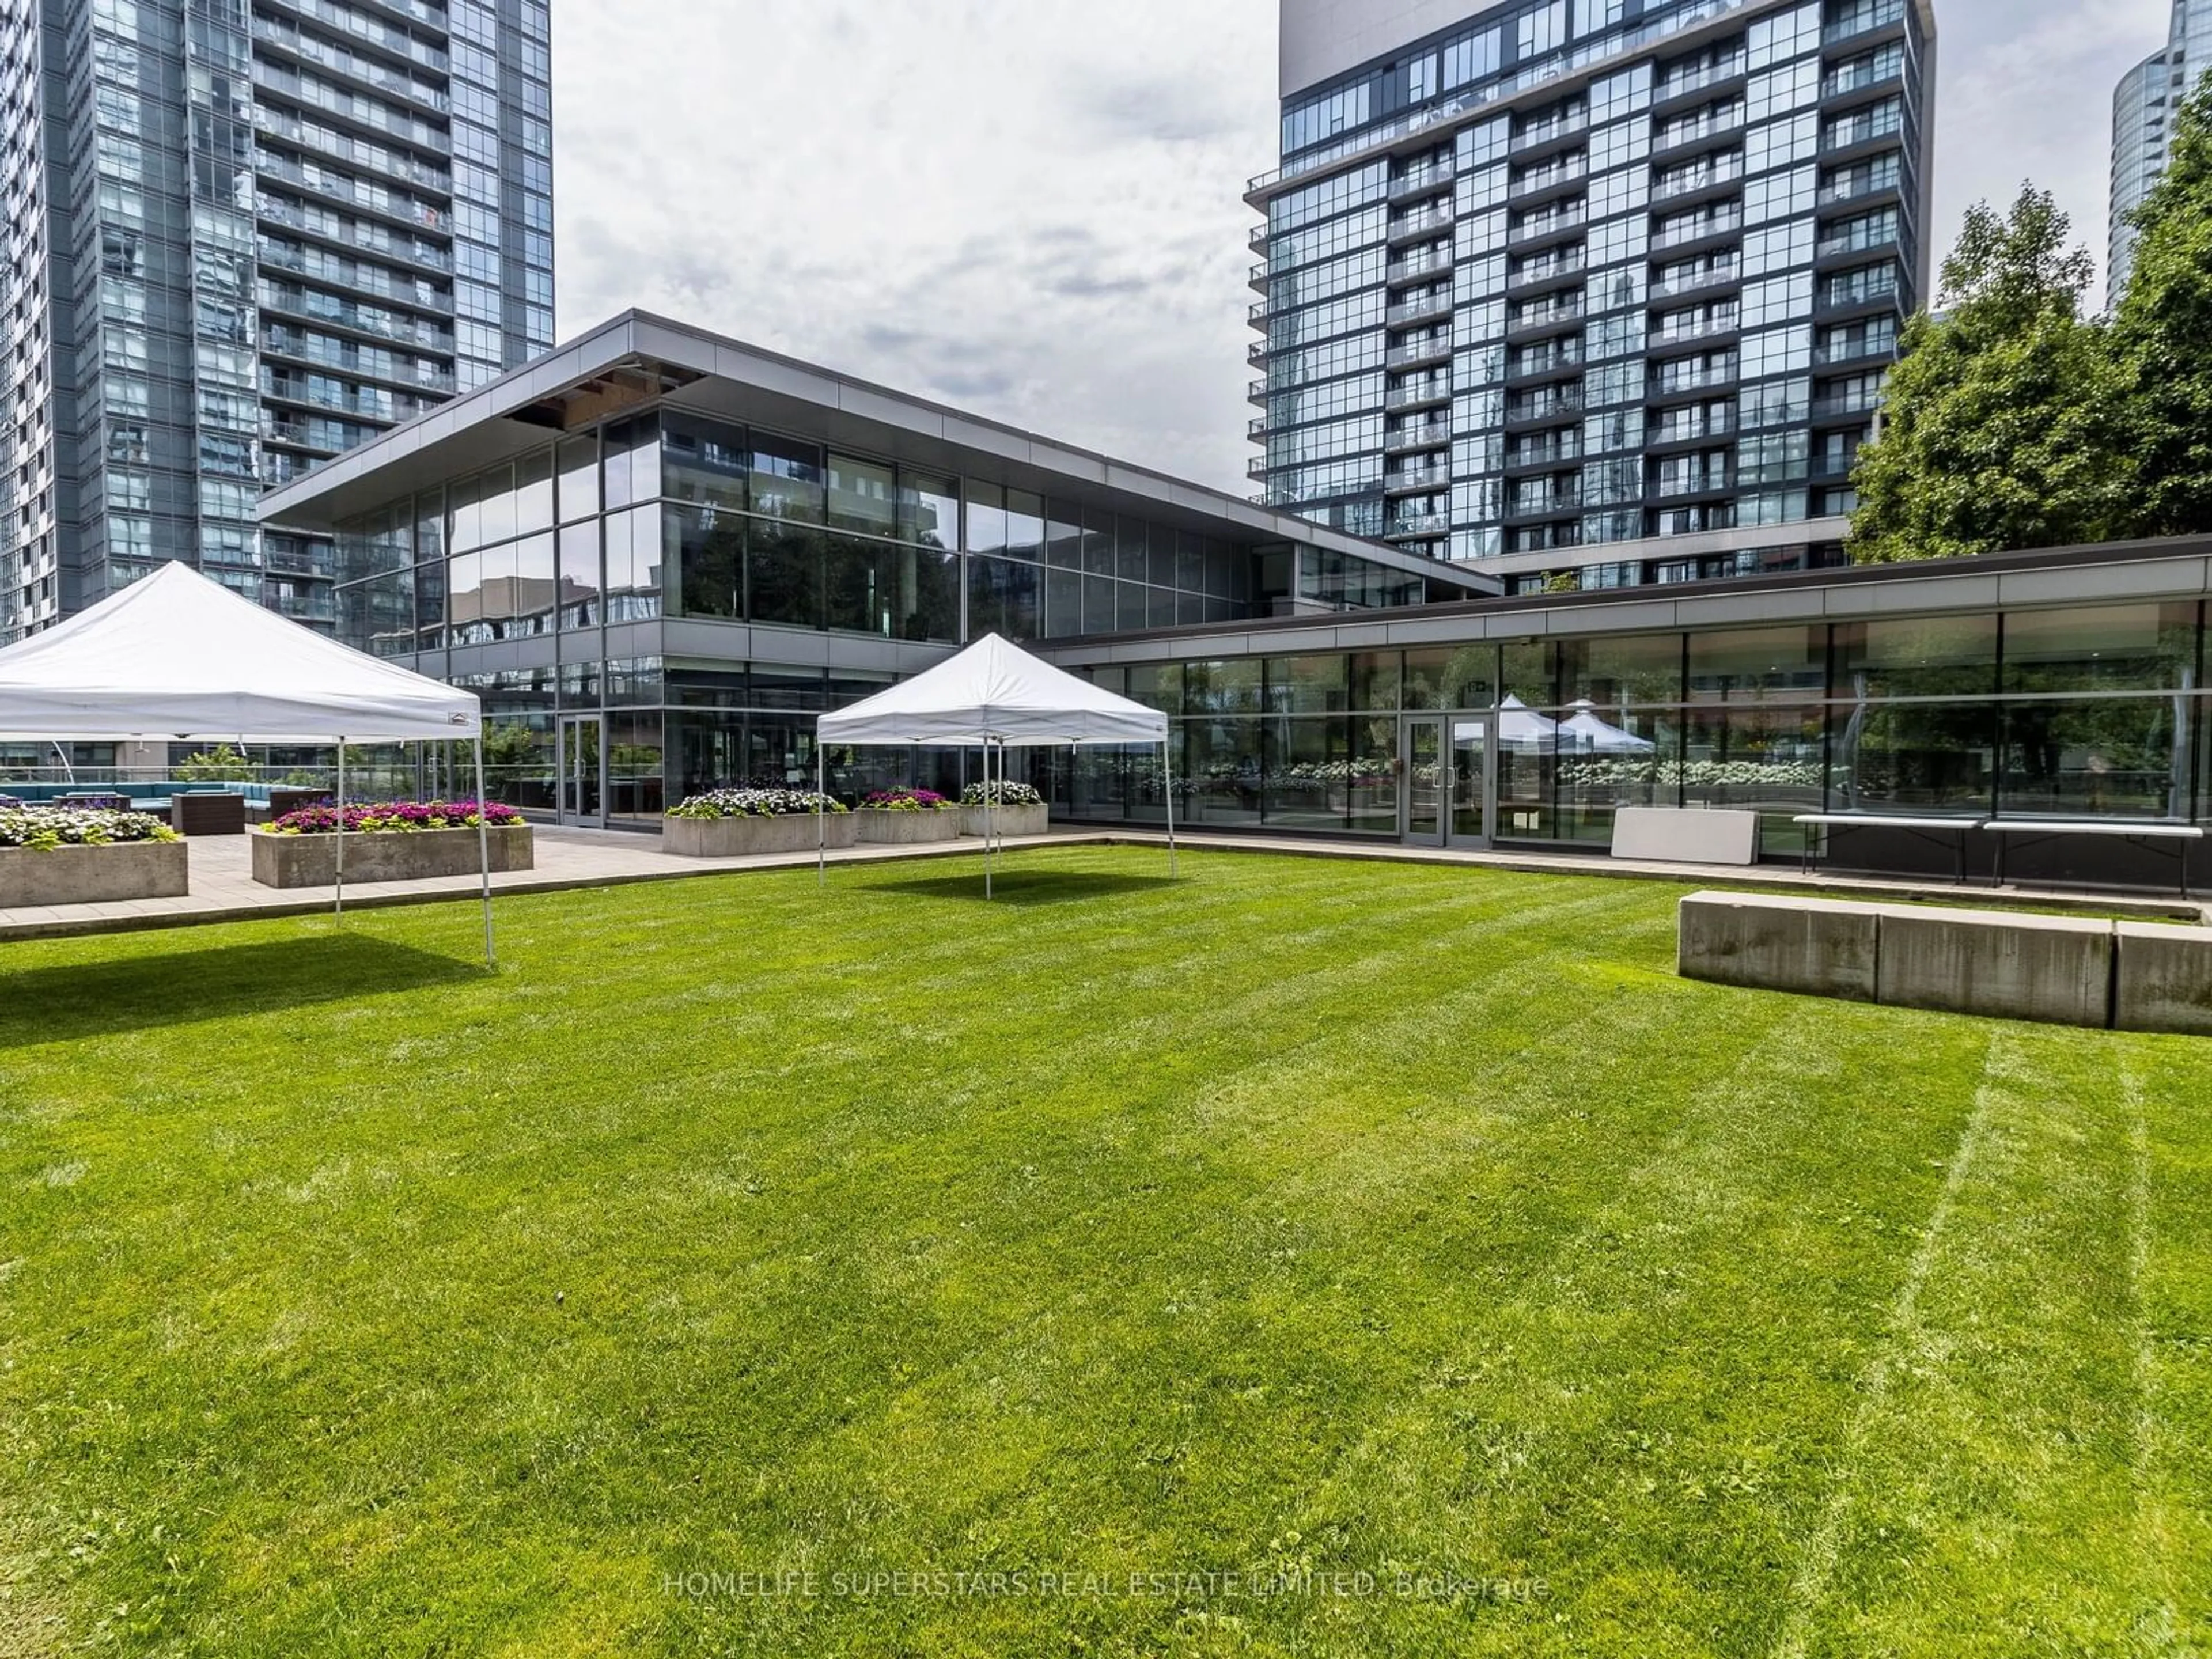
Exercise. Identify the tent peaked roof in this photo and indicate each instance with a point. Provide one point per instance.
(178, 656)
(995, 692)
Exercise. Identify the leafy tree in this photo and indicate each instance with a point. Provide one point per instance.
(224, 764)
(2004, 425)
(2162, 333)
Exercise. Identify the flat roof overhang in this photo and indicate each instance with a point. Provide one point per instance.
(638, 360)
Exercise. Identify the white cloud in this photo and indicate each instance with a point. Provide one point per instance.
(2026, 92)
(1033, 210)
(1030, 210)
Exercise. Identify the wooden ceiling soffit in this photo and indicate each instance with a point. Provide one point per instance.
(626, 385)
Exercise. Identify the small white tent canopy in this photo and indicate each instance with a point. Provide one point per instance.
(177, 656)
(1586, 733)
(1520, 726)
(994, 696)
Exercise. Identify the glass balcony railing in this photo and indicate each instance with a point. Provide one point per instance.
(1432, 435)
(1698, 78)
(1554, 223)
(1424, 309)
(1424, 349)
(1861, 17)
(1599, 50)
(1410, 479)
(1675, 134)
(1714, 276)
(1726, 171)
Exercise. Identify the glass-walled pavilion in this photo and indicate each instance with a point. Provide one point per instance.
(2065, 686)
(660, 555)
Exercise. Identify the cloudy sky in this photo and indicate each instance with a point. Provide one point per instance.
(1032, 207)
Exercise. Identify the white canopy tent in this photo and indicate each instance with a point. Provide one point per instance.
(177, 657)
(1520, 726)
(1585, 731)
(994, 696)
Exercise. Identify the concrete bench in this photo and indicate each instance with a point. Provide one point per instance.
(2067, 971)
(1815, 947)
(2164, 982)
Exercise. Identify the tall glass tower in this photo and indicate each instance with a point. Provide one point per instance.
(2142, 134)
(244, 235)
(1600, 292)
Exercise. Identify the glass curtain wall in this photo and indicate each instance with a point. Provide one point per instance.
(2095, 712)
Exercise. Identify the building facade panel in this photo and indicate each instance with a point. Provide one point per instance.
(287, 225)
(1604, 291)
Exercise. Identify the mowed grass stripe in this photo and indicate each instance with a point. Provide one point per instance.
(1303, 1215)
(2001, 1429)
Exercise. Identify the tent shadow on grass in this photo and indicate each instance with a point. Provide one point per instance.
(182, 988)
(1024, 887)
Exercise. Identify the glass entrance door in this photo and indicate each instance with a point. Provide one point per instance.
(583, 796)
(1469, 776)
(1423, 821)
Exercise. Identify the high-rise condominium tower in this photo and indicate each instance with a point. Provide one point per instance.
(2143, 133)
(1603, 286)
(244, 235)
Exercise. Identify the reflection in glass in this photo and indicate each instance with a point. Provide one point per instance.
(1225, 769)
(703, 461)
(537, 584)
(2131, 648)
(1450, 677)
(1230, 686)
(1613, 671)
(2102, 757)
(1759, 665)
(635, 762)
(783, 575)
(987, 518)
(1003, 598)
(1912, 758)
(1371, 788)
(1024, 526)
(857, 597)
(863, 496)
(1917, 657)
(582, 592)
(1307, 686)
(533, 492)
(633, 565)
(929, 508)
(1307, 776)
(579, 478)
(787, 479)
(1424, 781)
(707, 551)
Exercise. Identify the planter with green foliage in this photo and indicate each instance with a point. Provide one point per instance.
(52, 855)
(1015, 809)
(738, 824)
(394, 840)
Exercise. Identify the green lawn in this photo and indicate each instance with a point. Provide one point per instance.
(1168, 1257)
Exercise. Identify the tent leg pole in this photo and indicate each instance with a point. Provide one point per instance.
(821, 824)
(988, 818)
(1167, 766)
(338, 852)
(483, 851)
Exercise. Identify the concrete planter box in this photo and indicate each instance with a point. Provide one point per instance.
(744, 838)
(1814, 947)
(1005, 820)
(396, 855)
(93, 875)
(907, 829)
